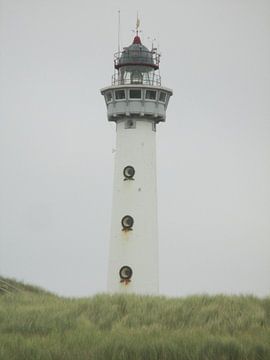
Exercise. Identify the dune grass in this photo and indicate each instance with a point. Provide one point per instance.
(37, 325)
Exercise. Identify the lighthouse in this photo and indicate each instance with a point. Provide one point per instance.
(136, 101)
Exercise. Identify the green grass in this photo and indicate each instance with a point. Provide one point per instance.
(35, 324)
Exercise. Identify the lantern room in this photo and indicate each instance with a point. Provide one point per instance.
(136, 64)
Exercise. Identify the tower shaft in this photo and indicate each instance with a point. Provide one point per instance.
(136, 248)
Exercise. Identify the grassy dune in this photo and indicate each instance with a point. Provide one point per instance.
(35, 324)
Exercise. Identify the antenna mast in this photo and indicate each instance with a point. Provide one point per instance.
(118, 40)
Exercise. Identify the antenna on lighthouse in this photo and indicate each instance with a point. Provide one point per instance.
(118, 40)
(152, 40)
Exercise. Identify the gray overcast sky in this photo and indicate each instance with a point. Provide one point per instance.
(213, 152)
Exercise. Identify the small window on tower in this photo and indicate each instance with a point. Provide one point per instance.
(162, 96)
(120, 94)
(130, 124)
(125, 274)
(135, 94)
(151, 94)
(109, 96)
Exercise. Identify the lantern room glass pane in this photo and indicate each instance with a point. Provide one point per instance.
(135, 94)
(151, 94)
(120, 94)
(162, 96)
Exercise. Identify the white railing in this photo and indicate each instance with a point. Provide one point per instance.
(152, 80)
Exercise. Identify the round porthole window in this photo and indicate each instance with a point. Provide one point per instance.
(125, 273)
(129, 172)
(127, 222)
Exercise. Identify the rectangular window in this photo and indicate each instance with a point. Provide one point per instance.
(135, 94)
(109, 96)
(120, 94)
(151, 94)
(162, 96)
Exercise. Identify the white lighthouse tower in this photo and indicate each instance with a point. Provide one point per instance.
(136, 102)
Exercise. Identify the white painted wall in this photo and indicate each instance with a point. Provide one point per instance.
(137, 248)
